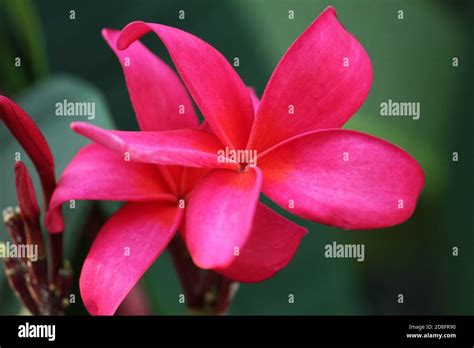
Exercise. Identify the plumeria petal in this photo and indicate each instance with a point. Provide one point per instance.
(319, 83)
(343, 178)
(123, 250)
(255, 102)
(97, 173)
(214, 85)
(271, 245)
(220, 216)
(160, 100)
(158, 96)
(186, 147)
(35, 145)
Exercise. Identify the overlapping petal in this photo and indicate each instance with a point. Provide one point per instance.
(159, 99)
(123, 250)
(214, 85)
(191, 177)
(343, 178)
(319, 83)
(97, 173)
(271, 245)
(186, 147)
(220, 216)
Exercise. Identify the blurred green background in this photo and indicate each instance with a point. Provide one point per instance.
(412, 60)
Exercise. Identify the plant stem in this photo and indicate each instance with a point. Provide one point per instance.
(56, 253)
(206, 292)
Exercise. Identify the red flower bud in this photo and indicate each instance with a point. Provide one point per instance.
(33, 142)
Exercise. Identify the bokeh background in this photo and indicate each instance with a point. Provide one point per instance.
(412, 60)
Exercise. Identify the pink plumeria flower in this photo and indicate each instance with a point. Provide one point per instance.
(306, 163)
(157, 195)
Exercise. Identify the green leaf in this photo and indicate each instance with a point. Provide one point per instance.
(39, 102)
(26, 24)
(14, 78)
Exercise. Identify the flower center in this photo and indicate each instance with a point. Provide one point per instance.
(244, 158)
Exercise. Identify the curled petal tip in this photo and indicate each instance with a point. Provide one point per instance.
(215, 86)
(125, 39)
